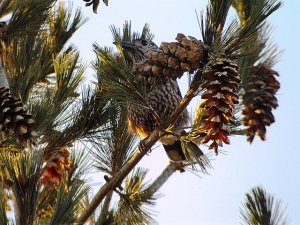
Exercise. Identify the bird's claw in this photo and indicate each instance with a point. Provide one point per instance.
(107, 179)
(142, 146)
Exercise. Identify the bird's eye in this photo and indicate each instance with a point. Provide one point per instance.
(144, 42)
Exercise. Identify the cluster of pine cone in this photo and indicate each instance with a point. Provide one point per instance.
(174, 59)
(220, 82)
(259, 100)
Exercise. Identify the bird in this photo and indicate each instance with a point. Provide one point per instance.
(164, 98)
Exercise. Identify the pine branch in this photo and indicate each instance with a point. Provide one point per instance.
(25, 59)
(216, 17)
(147, 144)
(24, 171)
(80, 166)
(259, 84)
(120, 176)
(28, 16)
(135, 200)
(69, 75)
(162, 178)
(259, 13)
(261, 208)
(104, 210)
(116, 146)
(68, 203)
(89, 116)
(191, 93)
(63, 26)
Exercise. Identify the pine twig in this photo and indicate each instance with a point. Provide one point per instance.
(191, 93)
(105, 208)
(120, 176)
(162, 178)
(125, 170)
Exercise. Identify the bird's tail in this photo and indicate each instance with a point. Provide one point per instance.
(175, 153)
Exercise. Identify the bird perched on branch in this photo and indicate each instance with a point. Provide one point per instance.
(163, 99)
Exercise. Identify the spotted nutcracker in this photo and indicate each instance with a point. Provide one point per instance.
(164, 99)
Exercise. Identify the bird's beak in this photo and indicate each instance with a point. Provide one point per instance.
(127, 45)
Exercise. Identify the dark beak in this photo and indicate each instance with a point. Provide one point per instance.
(128, 45)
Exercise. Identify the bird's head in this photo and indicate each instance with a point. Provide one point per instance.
(138, 48)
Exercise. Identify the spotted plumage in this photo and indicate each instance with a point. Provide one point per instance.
(164, 100)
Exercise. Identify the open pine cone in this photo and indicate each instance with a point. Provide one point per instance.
(174, 59)
(220, 82)
(56, 169)
(259, 100)
(14, 119)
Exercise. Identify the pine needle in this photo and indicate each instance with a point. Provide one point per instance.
(135, 201)
(261, 208)
(68, 203)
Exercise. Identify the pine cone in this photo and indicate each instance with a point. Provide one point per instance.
(174, 59)
(220, 81)
(14, 119)
(56, 169)
(259, 100)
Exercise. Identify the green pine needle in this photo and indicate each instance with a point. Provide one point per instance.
(24, 171)
(28, 16)
(80, 166)
(63, 25)
(69, 202)
(216, 16)
(69, 75)
(260, 208)
(248, 31)
(135, 201)
(117, 145)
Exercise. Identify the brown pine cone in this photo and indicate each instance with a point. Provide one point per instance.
(174, 59)
(259, 100)
(56, 169)
(14, 119)
(220, 81)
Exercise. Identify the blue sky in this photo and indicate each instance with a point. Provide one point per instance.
(275, 164)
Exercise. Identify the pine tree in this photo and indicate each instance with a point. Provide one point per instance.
(52, 132)
(41, 77)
